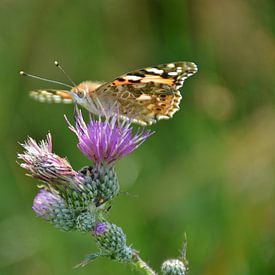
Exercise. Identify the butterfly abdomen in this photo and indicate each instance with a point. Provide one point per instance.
(52, 96)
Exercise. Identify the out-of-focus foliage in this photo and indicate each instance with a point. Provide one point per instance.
(209, 171)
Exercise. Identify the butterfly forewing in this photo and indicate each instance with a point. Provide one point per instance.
(52, 96)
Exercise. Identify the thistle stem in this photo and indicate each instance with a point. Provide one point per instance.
(142, 266)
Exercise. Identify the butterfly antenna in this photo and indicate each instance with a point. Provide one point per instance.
(45, 79)
(56, 63)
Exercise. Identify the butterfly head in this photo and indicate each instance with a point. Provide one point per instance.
(82, 94)
(78, 94)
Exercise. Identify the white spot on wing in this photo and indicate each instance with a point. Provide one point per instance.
(133, 77)
(56, 99)
(41, 98)
(171, 65)
(173, 73)
(44, 93)
(162, 117)
(154, 70)
(67, 100)
(144, 97)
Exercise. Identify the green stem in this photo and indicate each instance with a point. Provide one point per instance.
(142, 266)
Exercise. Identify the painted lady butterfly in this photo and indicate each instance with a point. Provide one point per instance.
(144, 96)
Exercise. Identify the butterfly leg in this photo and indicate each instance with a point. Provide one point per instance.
(75, 111)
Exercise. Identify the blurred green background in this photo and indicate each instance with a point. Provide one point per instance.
(208, 172)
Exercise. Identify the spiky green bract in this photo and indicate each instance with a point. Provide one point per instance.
(51, 207)
(101, 181)
(86, 221)
(112, 242)
(92, 185)
(173, 267)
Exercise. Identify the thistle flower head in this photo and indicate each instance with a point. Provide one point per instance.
(173, 267)
(39, 160)
(107, 141)
(51, 207)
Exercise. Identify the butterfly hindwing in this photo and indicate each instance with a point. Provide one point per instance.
(150, 94)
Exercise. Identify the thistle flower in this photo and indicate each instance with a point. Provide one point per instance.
(77, 200)
(51, 207)
(107, 141)
(39, 160)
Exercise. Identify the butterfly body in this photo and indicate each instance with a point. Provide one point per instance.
(144, 96)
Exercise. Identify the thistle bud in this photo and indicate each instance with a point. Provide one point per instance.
(51, 207)
(173, 267)
(112, 241)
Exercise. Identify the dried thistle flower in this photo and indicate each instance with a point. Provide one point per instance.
(43, 164)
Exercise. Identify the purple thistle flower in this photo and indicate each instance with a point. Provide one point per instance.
(39, 160)
(100, 229)
(105, 142)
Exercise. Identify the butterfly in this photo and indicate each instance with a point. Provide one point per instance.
(144, 96)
